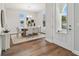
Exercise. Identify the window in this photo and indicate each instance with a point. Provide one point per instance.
(64, 17)
(22, 18)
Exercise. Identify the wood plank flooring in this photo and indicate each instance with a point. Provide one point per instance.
(38, 47)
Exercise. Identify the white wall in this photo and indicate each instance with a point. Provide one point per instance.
(50, 20)
(65, 40)
(58, 18)
(40, 20)
(0, 29)
(13, 18)
(34, 7)
(76, 27)
(1, 7)
(0, 17)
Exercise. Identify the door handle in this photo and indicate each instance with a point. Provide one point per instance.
(70, 27)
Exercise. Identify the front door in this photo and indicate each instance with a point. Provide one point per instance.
(62, 37)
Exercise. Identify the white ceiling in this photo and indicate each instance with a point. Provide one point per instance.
(26, 6)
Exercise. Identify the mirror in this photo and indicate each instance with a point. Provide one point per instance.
(61, 17)
(2, 18)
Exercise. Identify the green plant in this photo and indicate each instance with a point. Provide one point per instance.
(32, 21)
(64, 19)
(29, 22)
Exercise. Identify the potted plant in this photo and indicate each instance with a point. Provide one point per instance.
(29, 23)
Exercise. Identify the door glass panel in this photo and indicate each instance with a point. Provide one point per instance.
(64, 17)
(61, 17)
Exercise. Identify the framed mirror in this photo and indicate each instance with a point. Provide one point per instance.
(2, 18)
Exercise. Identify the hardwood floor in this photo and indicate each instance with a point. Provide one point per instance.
(38, 47)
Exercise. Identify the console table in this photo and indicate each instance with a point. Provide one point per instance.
(0, 45)
(4, 41)
(30, 31)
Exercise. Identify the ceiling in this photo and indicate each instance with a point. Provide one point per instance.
(36, 7)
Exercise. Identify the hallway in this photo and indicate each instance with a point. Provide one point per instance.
(39, 47)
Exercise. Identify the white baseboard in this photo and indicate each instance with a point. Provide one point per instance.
(75, 52)
(48, 40)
